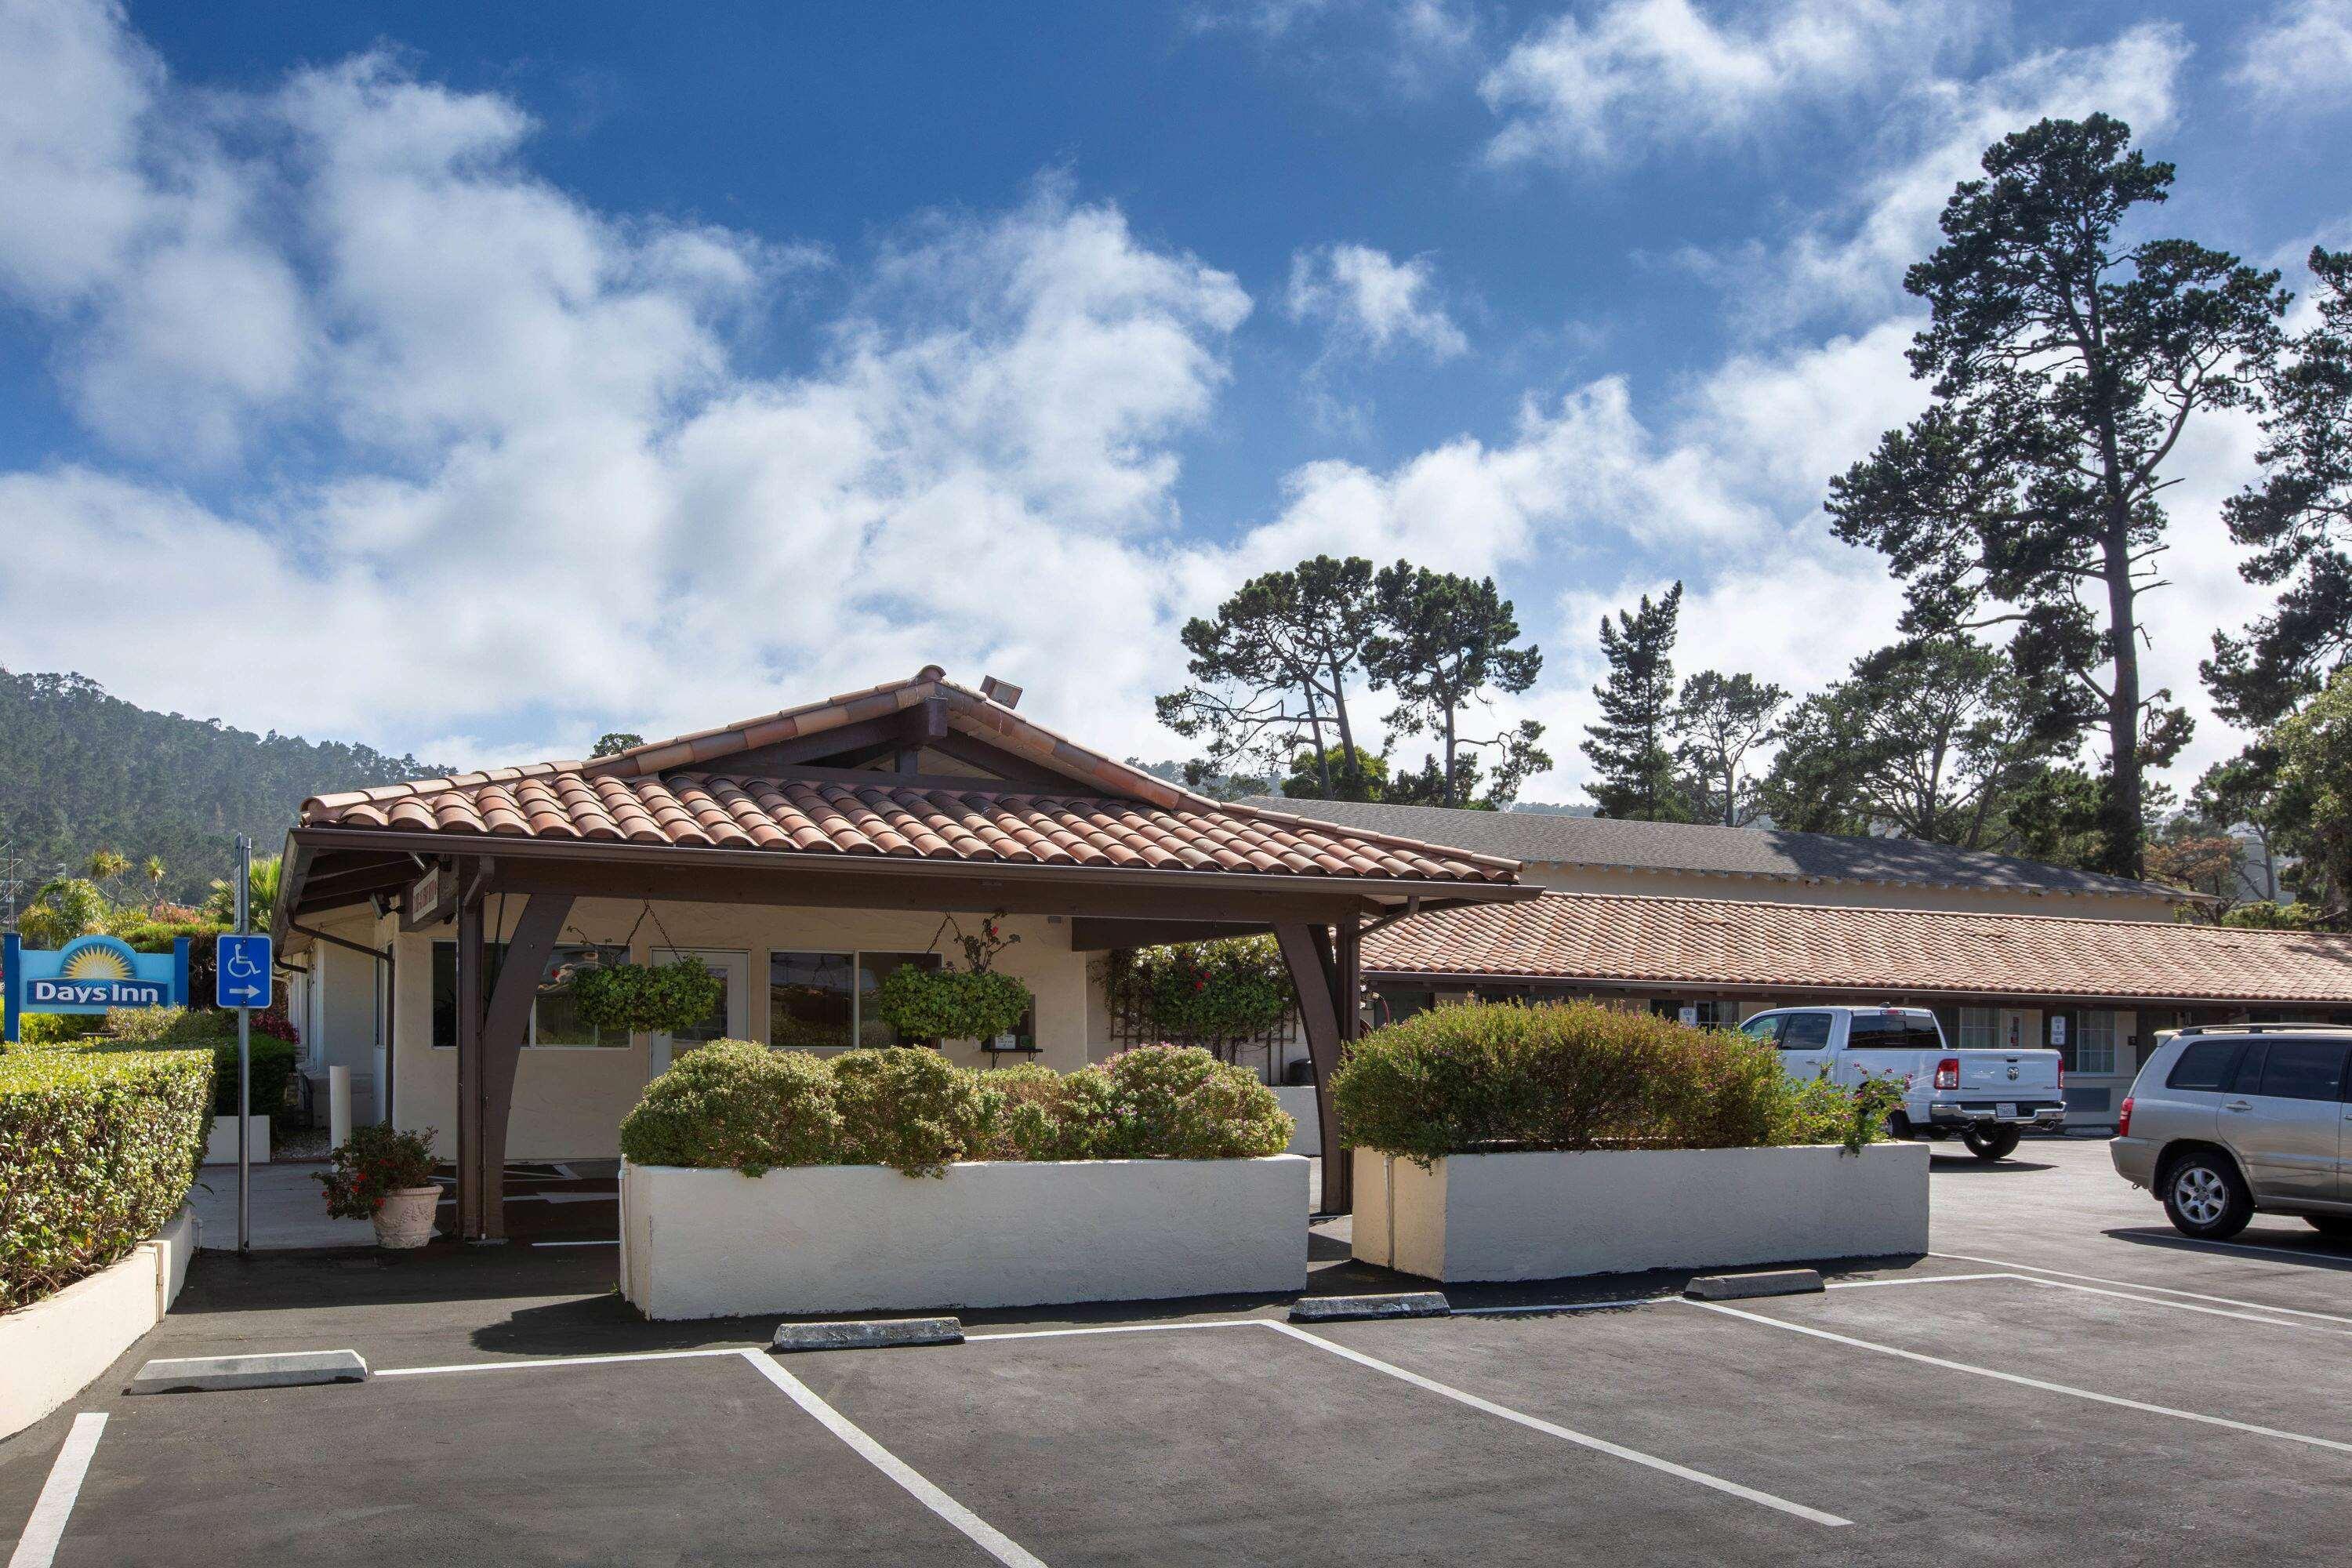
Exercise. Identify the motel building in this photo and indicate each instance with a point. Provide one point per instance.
(1714, 924)
(802, 855)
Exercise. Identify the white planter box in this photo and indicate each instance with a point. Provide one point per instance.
(222, 1149)
(850, 1239)
(53, 1348)
(1550, 1215)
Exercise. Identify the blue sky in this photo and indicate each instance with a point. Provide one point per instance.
(511, 374)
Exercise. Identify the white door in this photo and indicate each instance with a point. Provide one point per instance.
(731, 1021)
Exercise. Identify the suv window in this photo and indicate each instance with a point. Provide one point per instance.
(1891, 1031)
(2204, 1065)
(2300, 1070)
(1805, 1032)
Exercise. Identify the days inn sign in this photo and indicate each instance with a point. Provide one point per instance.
(89, 974)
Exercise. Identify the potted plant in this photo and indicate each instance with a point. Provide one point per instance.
(975, 1002)
(384, 1174)
(647, 998)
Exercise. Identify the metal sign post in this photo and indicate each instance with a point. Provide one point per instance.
(243, 971)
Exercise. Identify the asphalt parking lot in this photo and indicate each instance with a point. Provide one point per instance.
(2060, 1377)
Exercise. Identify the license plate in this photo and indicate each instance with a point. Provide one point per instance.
(2008, 1109)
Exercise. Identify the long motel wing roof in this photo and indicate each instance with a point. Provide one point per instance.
(1783, 948)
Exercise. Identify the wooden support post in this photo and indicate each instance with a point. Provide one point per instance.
(505, 1023)
(1317, 973)
(471, 953)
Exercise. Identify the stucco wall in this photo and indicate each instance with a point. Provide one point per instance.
(569, 1101)
(1627, 881)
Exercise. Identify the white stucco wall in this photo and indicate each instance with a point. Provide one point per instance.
(846, 1238)
(569, 1100)
(1547, 1216)
(51, 1350)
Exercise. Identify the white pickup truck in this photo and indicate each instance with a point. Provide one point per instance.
(1987, 1097)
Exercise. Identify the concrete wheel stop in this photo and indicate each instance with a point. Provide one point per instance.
(1746, 1286)
(1342, 1309)
(213, 1373)
(866, 1334)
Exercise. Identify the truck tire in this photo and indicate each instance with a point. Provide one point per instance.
(1998, 1144)
(2205, 1197)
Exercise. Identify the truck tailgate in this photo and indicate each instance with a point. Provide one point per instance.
(2008, 1073)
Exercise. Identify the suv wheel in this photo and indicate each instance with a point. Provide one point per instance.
(1998, 1143)
(2205, 1197)
(2334, 1227)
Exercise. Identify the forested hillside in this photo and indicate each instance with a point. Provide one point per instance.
(81, 771)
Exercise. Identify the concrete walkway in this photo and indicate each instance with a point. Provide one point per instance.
(288, 1210)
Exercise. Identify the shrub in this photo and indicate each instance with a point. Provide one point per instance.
(1213, 993)
(274, 1062)
(1500, 1076)
(950, 1003)
(647, 998)
(1050, 1115)
(910, 1108)
(1179, 1102)
(274, 1058)
(98, 1145)
(374, 1161)
(733, 1105)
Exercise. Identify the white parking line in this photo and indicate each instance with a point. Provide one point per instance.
(37, 1547)
(2023, 1382)
(1116, 1328)
(537, 1361)
(2159, 1289)
(1915, 1279)
(1566, 1434)
(981, 1533)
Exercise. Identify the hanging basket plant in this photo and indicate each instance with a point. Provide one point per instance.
(1215, 994)
(653, 999)
(950, 1003)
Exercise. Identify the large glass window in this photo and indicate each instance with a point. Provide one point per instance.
(1979, 1028)
(2094, 1046)
(823, 1000)
(1892, 1030)
(2300, 1070)
(1806, 1032)
(554, 1018)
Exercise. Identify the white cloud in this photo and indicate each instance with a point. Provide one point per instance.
(1373, 300)
(2302, 51)
(1642, 74)
(1849, 262)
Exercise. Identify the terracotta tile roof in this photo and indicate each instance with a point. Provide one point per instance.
(1699, 943)
(1711, 849)
(834, 818)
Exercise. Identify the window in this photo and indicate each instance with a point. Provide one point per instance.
(1893, 1031)
(1806, 1032)
(554, 1020)
(1766, 1028)
(2300, 1070)
(1979, 1028)
(2095, 1042)
(2205, 1065)
(1706, 1015)
(817, 1001)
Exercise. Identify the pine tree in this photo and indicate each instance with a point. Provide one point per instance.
(1634, 770)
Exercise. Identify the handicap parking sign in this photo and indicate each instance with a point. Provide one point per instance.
(243, 971)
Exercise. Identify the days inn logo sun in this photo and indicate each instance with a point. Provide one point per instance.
(95, 958)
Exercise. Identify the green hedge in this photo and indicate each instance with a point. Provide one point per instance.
(99, 1146)
(738, 1106)
(1485, 1077)
(155, 1028)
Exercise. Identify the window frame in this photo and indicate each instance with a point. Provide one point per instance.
(495, 955)
(1972, 1018)
(856, 956)
(2094, 1028)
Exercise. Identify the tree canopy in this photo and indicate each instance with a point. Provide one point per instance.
(2066, 363)
(1633, 767)
(1444, 645)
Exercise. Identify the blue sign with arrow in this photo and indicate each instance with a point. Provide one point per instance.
(243, 971)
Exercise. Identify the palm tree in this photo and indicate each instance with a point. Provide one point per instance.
(153, 871)
(62, 909)
(260, 896)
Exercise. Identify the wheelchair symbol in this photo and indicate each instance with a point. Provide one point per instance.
(239, 965)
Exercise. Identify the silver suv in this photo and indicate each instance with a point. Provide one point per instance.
(2225, 1122)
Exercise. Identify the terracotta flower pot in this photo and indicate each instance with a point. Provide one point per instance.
(406, 1217)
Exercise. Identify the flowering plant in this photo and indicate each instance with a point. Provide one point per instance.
(374, 1161)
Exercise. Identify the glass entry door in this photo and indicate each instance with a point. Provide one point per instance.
(730, 1020)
